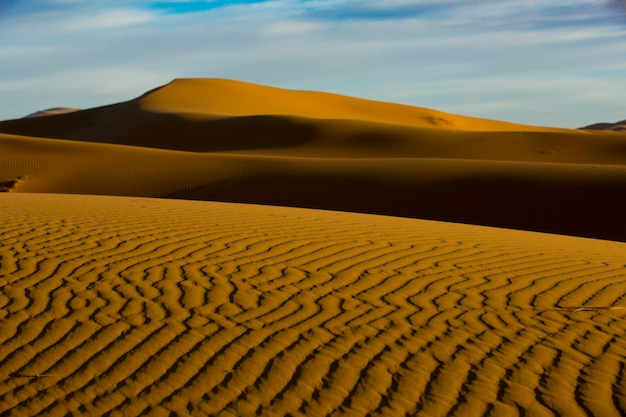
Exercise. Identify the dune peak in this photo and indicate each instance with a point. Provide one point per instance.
(226, 98)
(51, 111)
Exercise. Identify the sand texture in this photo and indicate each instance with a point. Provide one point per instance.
(122, 296)
(132, 306)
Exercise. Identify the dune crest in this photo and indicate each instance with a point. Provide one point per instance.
(222, 97)
(52, 111)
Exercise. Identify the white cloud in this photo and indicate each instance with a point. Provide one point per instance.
(284, 28)
(109, 19)
(499, 60)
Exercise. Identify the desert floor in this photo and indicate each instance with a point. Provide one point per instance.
(343, 260)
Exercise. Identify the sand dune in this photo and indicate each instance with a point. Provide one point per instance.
(567, 198)
(202, 99)
(52, 111)
(133, 306)
(257, 144)
(221, 115)
(617, 127)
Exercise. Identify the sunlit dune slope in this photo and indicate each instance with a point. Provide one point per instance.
(136, 306)
(208, 115)
(219, 98)
(221, 115)
(575, 199)
(231, 98)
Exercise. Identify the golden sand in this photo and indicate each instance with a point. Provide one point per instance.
(223, 140)
(578, 191)
(134, 305)
(137, 306)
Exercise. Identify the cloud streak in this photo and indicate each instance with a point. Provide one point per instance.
(520, 61)
(196, 6)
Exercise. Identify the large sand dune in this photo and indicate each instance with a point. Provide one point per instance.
(135, 305)
(132, 306)
(256, 144)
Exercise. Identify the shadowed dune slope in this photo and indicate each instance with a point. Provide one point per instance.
(136, 306)
(566, 198)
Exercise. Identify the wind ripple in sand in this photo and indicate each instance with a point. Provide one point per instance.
(127, 306)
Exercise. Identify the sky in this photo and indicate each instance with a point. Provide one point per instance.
(540, 62)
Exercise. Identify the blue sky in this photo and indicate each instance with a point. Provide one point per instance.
(543, 62)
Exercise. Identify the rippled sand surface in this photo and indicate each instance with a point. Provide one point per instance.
(134, 306)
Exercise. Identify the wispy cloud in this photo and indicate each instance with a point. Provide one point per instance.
(521, 61)
(487, 13)
(365, 10)
(183, 6)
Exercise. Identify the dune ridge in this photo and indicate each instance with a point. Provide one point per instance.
(52, 111)
(227, 309)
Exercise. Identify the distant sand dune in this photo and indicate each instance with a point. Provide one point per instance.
(52, 111)
(132, 306)
(617, 127)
